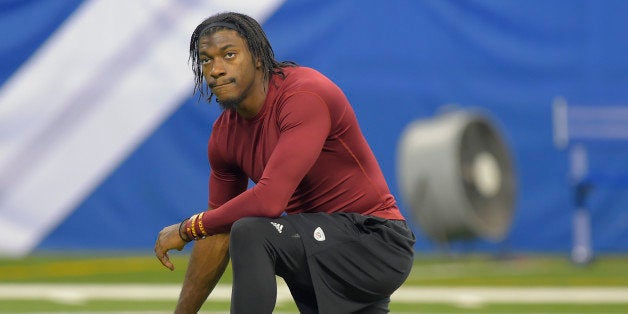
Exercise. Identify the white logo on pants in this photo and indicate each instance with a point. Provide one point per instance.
(319, 235)
(278, 226)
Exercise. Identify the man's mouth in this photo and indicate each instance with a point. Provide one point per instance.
(221, 84)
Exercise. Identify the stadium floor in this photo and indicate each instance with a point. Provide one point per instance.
(137, 284)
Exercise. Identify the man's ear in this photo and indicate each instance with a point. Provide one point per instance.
(258, 63)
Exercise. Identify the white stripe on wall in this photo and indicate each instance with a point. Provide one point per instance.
(103, 82)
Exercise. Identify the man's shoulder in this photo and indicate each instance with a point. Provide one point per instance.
(301, 77)
(300, 72)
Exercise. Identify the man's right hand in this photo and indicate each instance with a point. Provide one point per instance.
(168, 239)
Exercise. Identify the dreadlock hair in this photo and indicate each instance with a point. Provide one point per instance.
(250, 30)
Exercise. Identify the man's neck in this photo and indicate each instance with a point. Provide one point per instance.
(251, 106)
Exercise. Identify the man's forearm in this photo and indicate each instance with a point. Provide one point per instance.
(208, 261)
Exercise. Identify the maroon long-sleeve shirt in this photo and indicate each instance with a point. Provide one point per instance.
(305, 152)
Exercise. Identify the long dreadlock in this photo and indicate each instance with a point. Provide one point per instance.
(250, 30)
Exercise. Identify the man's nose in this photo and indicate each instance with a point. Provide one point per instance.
(217, 68)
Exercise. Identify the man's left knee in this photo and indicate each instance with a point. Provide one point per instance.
(247, 231)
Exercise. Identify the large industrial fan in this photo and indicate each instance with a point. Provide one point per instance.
(456, 175)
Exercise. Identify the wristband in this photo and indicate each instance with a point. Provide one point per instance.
(200, 225)
(193, 226)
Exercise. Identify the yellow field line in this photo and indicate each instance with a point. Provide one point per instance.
(83, 267)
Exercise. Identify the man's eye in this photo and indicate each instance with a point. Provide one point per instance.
(205, 61)
(229, 55)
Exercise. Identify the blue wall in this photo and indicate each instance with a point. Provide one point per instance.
(398, 61)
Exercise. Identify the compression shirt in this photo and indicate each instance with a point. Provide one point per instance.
(303, 150)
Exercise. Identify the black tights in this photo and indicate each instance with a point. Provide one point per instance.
(258, 252)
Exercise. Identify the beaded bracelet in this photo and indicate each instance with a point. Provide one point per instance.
(186, 238)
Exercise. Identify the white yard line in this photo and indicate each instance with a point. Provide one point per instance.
(78, 293)
(478, 295)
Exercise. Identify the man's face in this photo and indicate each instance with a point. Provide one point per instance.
(228, 67)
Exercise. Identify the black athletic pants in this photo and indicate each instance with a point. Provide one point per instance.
(261, 248)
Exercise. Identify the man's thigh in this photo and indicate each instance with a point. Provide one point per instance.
(355, 261)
